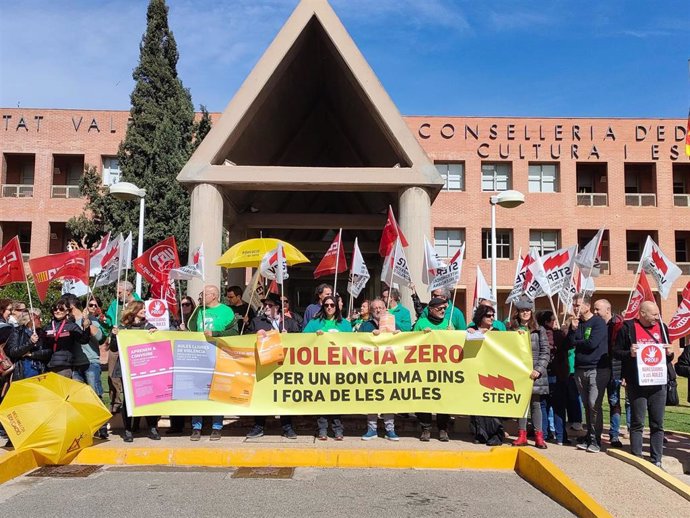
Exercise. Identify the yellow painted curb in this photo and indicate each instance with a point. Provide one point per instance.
(650, 469)
(495, 459)
(16, 463)
(550, 479)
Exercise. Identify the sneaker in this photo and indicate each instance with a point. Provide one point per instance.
(322, 435)
(584, 445)
(593, 448)
(216, 435)
(392, 436)
(128, 436)
(576, 426)
(289, 433)
(102, 434)
(426, 435)
(369, 435)
(196, 435)
(154, 435)
(616, 444)
(256, 432)
(338, 436)
(658, 465)
(443, 436)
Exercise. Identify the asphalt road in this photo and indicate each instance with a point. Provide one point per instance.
(153, 491)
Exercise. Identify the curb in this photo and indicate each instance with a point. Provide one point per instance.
(16, 463)
(650, 469)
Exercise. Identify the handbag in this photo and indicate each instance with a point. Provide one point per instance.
(6, 365)
(672, 398)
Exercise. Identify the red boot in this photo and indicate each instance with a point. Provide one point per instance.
(539, 440)
(521, 438)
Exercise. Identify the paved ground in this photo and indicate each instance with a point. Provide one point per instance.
(311, 492)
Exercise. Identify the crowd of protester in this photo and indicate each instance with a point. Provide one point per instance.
(575, 365)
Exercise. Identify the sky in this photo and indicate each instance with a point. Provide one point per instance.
(540, 58)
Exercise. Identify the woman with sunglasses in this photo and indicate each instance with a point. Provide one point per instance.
(523, 320)
(187, 307)
(133, 317)
(329, 320)
(66, 337)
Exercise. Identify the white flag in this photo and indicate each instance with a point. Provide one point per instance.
(126, 253)
(448, 276)
(75, 287)
(432, 262)
(559, 267)
(359, 274)
(519, 281)
(589, 258)
(395, 269)
(655, 263)
(536, 283)
(110, 263)
(481, 289)
(254, 292)
(273, 265)
(193, 270)
(97, 256)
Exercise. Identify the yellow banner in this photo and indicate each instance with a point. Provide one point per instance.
(183, 373)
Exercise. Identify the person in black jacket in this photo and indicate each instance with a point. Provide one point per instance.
(65, 337)
(588, 334)
(27, 347)
(646, 329)
(272, 319)
(683, 366)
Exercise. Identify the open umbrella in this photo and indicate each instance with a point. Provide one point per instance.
(248, 254)
(52, 415)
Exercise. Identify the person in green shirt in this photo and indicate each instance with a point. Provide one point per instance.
(125, 295)
(402, 315)
(497, 325)
(458, 317)
(435, 319)
(361, 317)
(215, 320)
(329, 320)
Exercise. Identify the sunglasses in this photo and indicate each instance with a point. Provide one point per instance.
(186, 303)
(489, 316)
(93, 305)
(63, 310)
(329, 305)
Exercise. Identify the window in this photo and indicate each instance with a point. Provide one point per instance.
(543, 178)
(111, 170)
(495, 177)
(632, 184)
(453, 174)
(26, 175)
(546, 241)
(447, 241)
(504, 243)
(633, 251)
(682, 251)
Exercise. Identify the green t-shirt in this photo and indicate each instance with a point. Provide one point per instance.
(498, 325)
(217, 318)
(402, 317)
(423, 322)
(459, 322)
(317, 324)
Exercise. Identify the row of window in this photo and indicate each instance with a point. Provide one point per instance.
(591, 178)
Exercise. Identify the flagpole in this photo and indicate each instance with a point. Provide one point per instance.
(31, 304)
(395, 260)
(282, 296)
(452, 307)
(337, 256)
(517, 271)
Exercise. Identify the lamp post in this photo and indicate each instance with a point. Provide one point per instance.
(128, 192)
(509, 200)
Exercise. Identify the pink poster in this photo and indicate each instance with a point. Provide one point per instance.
(151, 372)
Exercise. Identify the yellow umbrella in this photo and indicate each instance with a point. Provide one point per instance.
(248, 254)
(52, 415)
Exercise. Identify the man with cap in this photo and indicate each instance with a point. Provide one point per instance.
(272, 319)
(435, 319)
(458, 317)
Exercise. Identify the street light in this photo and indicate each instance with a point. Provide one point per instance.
(508, 200)
(128, 191)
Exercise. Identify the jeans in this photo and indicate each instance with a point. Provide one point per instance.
(442, 420)
(535, 410)
(643, 400)
(591, 383)
(388, 421)
(285, 421)
(217, 422)
(556, 401)
(91, 376)
(614, 394)
(574, 402)
(336, 425)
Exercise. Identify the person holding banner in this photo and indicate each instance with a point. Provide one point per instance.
(125, 294)
(376, 325)
(435, 319)
(322, 291)
(523, 320)
(133, 317)
(643, 342)
(458, 317)
(66, 338)
(403, 319)
(328, 319)
(362, 316)
(290, 313)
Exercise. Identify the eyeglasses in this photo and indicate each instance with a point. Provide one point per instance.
(439, 307)
(61, 309)
(329, 305)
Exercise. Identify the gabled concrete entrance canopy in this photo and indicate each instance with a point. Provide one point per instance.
(310, 117)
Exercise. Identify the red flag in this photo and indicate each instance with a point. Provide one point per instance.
(11, 263)
(166, 291)
(642, 293)
(390, 233)
(334, 261)
(273, 287)
(156, 262)
(68, 265)
(679, 326)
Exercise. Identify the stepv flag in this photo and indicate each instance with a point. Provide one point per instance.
(11, 263)
(193, 270)
(432, 262)
(67, 265)
(110, 263)
(679, 326)
(333, 261)
(589, 258)
(395, 269)
(391, 232)
(519, 281)
(449, 276)
(578, 284)
(641, 293)
(559, 267)
(481, 289)
(97, 255)
(274, 266)
(536, 284)
(359, 273)
(661, 268)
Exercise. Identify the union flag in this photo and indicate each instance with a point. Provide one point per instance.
(11, 263)
(67, 265)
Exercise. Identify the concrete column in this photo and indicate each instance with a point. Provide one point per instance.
(415, 222)
(206, 226)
